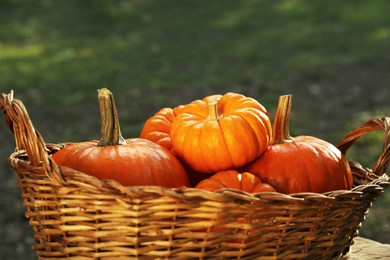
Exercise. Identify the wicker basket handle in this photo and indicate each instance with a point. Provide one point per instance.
(27, 138)
(374, 124)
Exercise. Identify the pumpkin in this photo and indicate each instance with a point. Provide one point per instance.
(300, 164)
(235, 180)
(158, 127)
(221, 132)
(134, 161)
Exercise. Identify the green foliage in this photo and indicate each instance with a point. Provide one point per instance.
(145, 48)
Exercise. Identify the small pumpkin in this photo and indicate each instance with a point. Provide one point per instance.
(302, 163)
(221, 132)
(158, 127)
(134, 161)
(235, 180)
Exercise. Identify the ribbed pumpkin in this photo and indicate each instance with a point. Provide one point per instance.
(131, 162)
(302, 163)
(235, 180)
(158, 127)
(221, 134)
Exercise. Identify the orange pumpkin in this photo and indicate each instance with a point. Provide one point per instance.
(158, 127)
(130, 162)
(234, 180)
(221, 133)
(300, 164)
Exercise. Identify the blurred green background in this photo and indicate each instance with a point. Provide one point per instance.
(333, 56)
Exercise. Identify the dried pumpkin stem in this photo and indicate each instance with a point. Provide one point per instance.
(281, 132)
(213, 111)
(110, 132)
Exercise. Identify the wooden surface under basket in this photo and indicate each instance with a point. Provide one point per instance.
(77, 216)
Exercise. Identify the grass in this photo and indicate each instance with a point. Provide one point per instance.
(333, 57)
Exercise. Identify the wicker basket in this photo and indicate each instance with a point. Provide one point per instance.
(76, 216)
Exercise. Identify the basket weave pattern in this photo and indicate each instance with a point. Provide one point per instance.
(77, 216)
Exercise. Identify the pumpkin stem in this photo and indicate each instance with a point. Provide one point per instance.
(281, 133)
(213, 111)
(110, 132)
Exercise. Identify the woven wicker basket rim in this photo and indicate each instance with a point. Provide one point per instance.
(370, 183)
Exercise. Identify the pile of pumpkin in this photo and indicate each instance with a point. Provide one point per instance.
(221, 141)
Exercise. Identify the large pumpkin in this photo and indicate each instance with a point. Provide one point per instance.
(235, 180)
(221, 133)
(302, 163)
(131, 162)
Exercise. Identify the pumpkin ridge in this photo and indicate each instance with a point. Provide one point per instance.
(245, 127)
(267, 124)
(253, 134)
(162, 124)
(254, 115)
(304, 163)
(80, 151)
(201, 140)
(226, 180)
(332, 174)
(266, 132)
(183, 143)
(177, 142)
(226, 144)
(229, 101)
(336, 155)
(343, 167)
(197, 108)
(166, 166)
(241, 102)
(199, 135)
(110, 153)
(213, 183)
(150, 167)
(225, 147)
